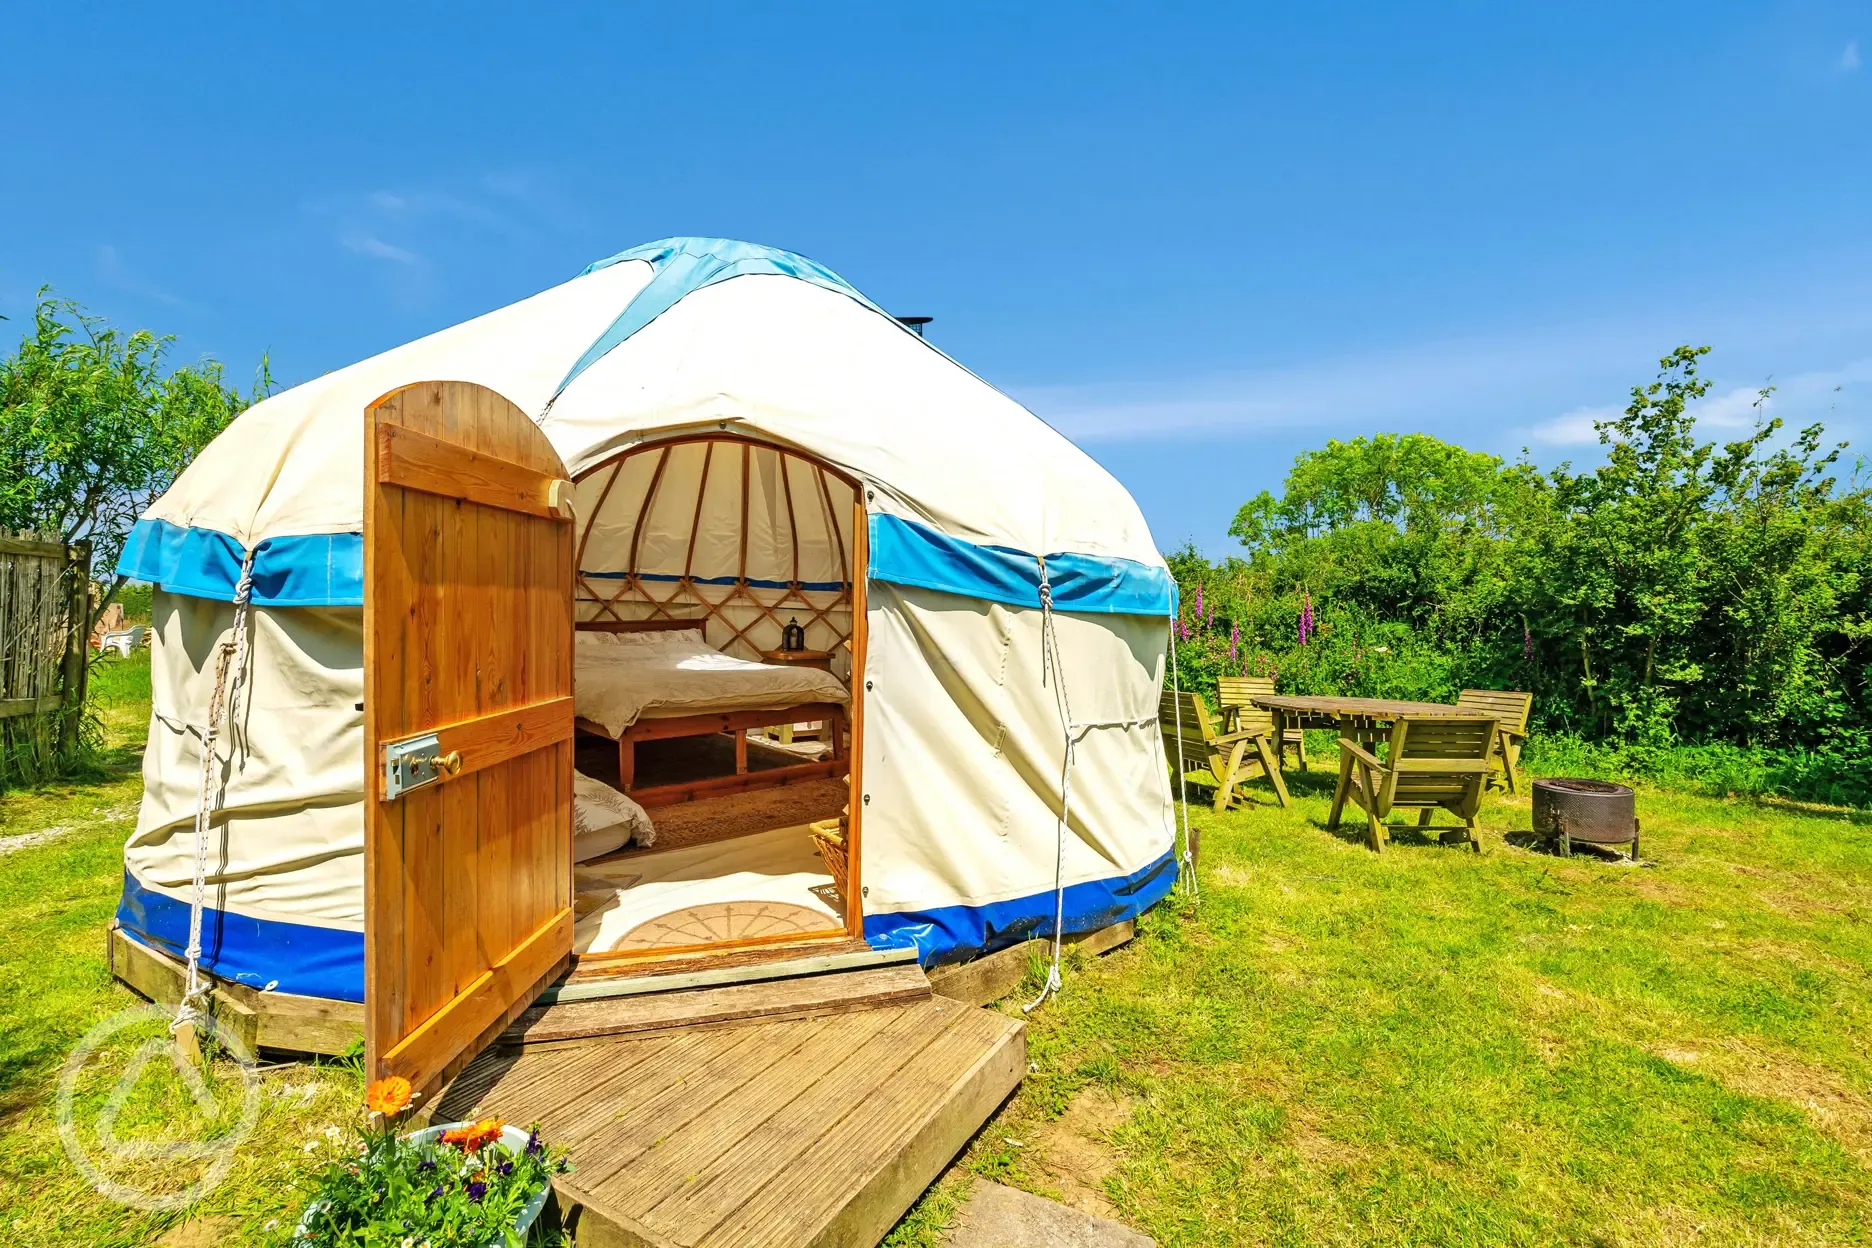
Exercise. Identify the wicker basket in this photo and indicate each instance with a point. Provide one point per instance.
(829, 839)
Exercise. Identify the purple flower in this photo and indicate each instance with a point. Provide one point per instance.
(534, 1148)
(426, 1165)
(1306, 615)
(504, 1169)
(1527, 642)
(435, 1195)
(1234, 639)
(476, 1190)
(1199, 606)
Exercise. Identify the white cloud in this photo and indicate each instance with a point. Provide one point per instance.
(110, 268)
(1480, 393)
(370, 245)
(1574, 428)
(1733, 409)
(1849, 59)
(1400, 388)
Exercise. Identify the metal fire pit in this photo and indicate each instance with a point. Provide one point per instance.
(1590, 812)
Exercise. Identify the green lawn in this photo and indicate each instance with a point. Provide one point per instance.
(56, 897)
(1332, 1047)
(1427, 1047)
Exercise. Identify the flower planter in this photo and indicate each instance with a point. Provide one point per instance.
(513, 1137)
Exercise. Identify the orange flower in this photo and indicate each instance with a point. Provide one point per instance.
(473, 1135)
(388, 1097)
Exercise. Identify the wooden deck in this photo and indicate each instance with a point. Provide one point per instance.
(796, 1131)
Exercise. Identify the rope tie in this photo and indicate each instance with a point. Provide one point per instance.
(1050, 664)
(1188, 874)
(232, 653)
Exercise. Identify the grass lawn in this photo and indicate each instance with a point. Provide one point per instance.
(1332, 1047)
(56, 896)
(1429, 1047)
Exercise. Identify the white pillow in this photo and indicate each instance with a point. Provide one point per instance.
(648, 638)
(604, 820)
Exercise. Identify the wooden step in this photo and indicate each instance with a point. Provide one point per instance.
(573, 1023)
(788, 1133)
(589, 980)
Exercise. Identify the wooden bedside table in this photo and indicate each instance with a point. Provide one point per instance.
(821, 659)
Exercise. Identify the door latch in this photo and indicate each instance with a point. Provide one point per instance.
(416, 762)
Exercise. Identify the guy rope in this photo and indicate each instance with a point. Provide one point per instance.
(1051, 668)
(232, 654)
(1188, 873)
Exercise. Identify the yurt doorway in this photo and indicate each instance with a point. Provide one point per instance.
(675, 560)
(716, 609)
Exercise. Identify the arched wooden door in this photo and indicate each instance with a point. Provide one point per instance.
(468, 723)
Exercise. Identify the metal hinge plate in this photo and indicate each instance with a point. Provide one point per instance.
(411, 764)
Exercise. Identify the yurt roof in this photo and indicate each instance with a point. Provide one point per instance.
(674, 338)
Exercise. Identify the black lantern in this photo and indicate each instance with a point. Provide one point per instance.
(793, 637)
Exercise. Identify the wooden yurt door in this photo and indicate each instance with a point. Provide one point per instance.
(468, 723)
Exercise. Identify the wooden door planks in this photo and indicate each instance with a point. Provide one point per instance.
(793, 1132)
(468, 612)
(587, 1021)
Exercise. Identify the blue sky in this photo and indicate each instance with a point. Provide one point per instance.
(1196, 238)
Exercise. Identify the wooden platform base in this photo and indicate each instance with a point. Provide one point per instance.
(271, 1020)
(995, 975)
(572, 1023)
(814, 1131)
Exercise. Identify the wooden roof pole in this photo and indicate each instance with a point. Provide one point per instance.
(695, 522)
(578, 560)
(747, 455)
(656, 479)
(838, 534)
(786, 486)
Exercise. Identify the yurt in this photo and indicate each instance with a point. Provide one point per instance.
(694, 605)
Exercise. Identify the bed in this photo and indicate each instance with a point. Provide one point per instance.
(649, 680)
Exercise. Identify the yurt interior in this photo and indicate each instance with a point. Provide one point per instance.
(713, 660)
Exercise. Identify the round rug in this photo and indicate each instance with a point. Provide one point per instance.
(725, 920)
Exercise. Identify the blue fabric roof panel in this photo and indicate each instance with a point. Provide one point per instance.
(685, 265)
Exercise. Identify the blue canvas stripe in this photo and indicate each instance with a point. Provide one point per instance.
(684, 266)
(327, 569)
(297, 958)
(906, 553)
(957, 933)
(670, 578)
(311, 570)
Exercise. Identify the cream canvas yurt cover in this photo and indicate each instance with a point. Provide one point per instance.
(972, 505)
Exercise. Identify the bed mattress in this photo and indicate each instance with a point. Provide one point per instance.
(622, 677)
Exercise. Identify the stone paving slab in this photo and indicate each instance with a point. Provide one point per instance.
(995, 1216)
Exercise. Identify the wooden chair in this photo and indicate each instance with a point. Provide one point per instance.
(1206, 748)
(1236, 695)
(1512, 710)
(1431, 762)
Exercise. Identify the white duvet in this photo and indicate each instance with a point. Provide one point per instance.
(620, 677)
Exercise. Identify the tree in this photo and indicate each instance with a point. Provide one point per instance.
(94, 425)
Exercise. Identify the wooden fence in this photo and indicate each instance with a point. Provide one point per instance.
(44, 600)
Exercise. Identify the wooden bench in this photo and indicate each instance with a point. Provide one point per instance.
(1431, 762)
(1511, 710)
(1236, 695)
(1205, 748)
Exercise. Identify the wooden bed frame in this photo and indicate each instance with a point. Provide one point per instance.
(659, 728)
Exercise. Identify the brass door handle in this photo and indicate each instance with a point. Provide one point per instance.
(451, 762)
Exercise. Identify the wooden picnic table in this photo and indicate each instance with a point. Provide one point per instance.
(1357, 718)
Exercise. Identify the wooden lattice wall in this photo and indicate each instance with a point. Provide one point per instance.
(742, 614)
